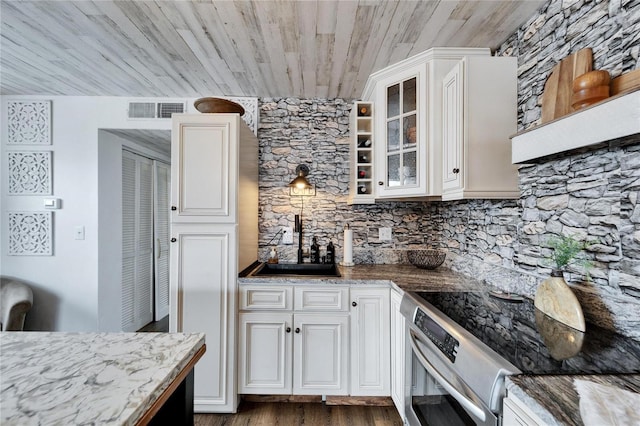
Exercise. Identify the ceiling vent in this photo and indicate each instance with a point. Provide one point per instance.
(146, 110)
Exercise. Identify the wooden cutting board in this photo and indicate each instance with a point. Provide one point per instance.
(556, 97)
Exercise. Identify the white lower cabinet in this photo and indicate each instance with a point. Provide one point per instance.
(203, 300)
(516, 413)
(325, 340)
(265, 347)
(370, 358)
(320, 354)
(304, 351)
(398, 353)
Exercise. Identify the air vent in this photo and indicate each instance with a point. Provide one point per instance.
(154, 109)
(165, 109)
(142, 110)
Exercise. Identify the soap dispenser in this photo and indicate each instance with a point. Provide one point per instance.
(331, 253)
(315, 251)
(273, 256)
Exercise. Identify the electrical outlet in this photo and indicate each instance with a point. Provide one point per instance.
(384, 234)
(79, 232)
(287, 235)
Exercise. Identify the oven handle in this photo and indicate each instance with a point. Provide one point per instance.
(462, 399)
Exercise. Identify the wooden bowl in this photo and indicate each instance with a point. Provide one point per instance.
(218, 105)
(590, 88)
(590, 96)
(591, 79)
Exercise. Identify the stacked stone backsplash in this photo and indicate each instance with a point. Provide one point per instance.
(315, 132)
(593, 193)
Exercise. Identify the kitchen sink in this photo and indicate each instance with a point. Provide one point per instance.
(296, 269)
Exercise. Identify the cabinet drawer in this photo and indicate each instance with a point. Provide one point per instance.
(321, 299)
(259, 298)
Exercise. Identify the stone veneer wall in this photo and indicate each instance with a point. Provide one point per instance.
(561, 27)
(592, 194)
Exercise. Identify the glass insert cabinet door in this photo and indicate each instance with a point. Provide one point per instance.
(401, 133)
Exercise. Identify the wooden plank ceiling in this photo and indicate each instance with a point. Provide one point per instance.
(235, 48)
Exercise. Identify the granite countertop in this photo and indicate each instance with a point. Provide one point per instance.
(88, 378)
(555, 400)
(405, 277)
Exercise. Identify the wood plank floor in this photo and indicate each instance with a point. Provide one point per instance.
(297, 414)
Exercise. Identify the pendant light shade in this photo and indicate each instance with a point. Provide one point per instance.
(300, 180)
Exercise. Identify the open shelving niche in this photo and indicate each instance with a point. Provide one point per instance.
(361, 189)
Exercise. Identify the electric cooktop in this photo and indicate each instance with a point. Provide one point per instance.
(533, 341)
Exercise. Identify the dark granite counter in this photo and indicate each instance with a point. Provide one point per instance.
(405, 277)
(555, 400)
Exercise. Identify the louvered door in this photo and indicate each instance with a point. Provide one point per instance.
(137, 241)
(161, 225)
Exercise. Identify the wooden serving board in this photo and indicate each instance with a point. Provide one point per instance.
(556, 98)
(625, 82)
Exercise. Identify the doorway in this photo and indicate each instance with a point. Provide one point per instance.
(145, 240)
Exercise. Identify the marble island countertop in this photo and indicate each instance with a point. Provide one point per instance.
(556, 400)
(88, 378)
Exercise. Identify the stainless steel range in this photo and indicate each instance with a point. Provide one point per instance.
(463, 344)
(456, 379)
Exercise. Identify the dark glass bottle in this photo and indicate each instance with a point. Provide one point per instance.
(315, 251)
(331, 253)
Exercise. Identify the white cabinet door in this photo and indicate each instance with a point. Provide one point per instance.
(479, 115)
(203, 271)
(402, 144)
(321, 353)
(265, 352)
(204, 156)
(370, 363)
(397, 353)
(452, 129)
(516, 413)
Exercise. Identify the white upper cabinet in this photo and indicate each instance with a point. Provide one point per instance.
(479, 107)
(202, 190)
(401, 123)
(424, 147)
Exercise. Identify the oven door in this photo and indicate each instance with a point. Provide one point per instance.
(435, 394)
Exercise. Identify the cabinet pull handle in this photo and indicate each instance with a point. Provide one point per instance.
(288, 330)
(173, 240)
(354, 304)
(380, 183)
(174, 208)
(298, 330)
(456, 170)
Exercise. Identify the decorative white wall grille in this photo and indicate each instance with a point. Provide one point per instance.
(29, 172)
(29, 123)
(250, 116)
(30, 234)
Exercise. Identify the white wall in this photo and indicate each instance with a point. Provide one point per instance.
(75, 289)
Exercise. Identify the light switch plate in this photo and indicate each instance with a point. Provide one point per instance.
(384, 234)
(287, 235)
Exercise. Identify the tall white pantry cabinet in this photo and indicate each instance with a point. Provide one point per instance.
(214, 234)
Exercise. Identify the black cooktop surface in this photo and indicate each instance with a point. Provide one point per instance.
(533, 341)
